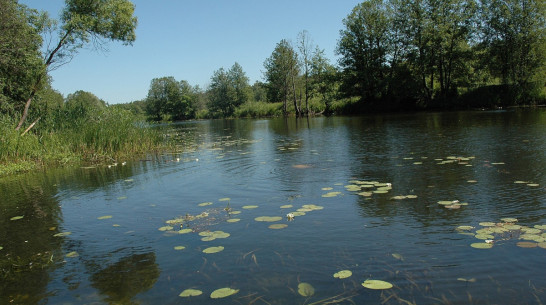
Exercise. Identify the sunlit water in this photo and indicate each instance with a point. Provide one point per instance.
(109, 217)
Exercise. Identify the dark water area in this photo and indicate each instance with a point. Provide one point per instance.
(364, 192)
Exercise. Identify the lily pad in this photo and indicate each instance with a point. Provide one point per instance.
(16, 217)
(487, 224)
(185, 231)
(268, 218)
(305, 289)
(179, 248)
(104, 217)
(509, 219)
(541, 245)
(398, 256)
(331, 194)
(533, 184)
(376, 284)
(223, 292)
(233, 220)
(165, 228)
(204, 204)
(190, 293)
(465, 228)
(62, 234)
(482, 245)
(327, 188)
(531, 230)
(248, 207)
(278, 226)
(286, 206)
(541, 227)
(343, 274)
(213, 250)
(224, 199)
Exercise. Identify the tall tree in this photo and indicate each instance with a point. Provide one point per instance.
(364, 47)
(514, 32)
(323, 78)
(171, 99)
(83, 21)
(240, 84)
(305, 48)
(281, 71)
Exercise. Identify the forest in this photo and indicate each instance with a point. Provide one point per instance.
(393, 55)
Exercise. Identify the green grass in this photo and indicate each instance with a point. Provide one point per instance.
(258, 110)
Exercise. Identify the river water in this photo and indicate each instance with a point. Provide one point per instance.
(403, 199)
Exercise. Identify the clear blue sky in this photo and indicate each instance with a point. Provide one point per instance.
(190, 39)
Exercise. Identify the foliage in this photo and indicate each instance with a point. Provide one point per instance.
(228, 90)
(170, 99)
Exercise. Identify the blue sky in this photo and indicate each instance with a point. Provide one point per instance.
(190, 39)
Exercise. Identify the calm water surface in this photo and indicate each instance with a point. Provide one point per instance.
(102, 235)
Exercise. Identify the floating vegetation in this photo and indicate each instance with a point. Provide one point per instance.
(402, 197)
(62, 234)
(165, 228)
(327, 188)
(527, 244)
(179, 247)
(203, 204)
(286, 206)
(398, 256)
(185, 231)
(305, 289)
(122, 197)
(190, 293)
(301, 166)
(232, 220)
(16, 217)
(72, 254)
(248, 207)
(224, 199)
(492, 233)
(223, 292)
(331, 194)
(104, 217)
(376, 284)
(472, 280)
(211, 250)
(482, 245)
(509, 219)
(268, 218)
(452, 205)
(278, 226)
(343, 274)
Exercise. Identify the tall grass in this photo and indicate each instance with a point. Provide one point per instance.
(258, 110)
(99, 135)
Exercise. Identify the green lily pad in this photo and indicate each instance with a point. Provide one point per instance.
(365, 194)
(248, 207)
(305, 289)
(166, 228)
(532, 237)
(484, 236)
(104, 217)
(62, 234)
(179, 248)
(445, 202)
(208, 238)
(465, 228)
(286, 206)
(224, 199)
(520, 182)
(541, 245)
(268, 218)
(278, 226)
(531, 230)
(509, 219)
(223, 292)
(376, 284)
(213, 250)
(331, 194)
(533, 184)
(206, 233)
(352, 188)
(512, 227)
(541, 227)
(343, 274)
(185, 231)
(487, 224)
(312, 207)
(380, 191)
(472, 280)
(482, 245)
(234, 212)
(16, 217)
(327, 188)
(220, 234)
(202, 204)
(72, 254)
(190, 293)
(398, 256)
(233, 220)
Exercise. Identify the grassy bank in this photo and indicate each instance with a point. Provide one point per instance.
(105, 135)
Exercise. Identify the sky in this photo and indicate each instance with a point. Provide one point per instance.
(190, 39)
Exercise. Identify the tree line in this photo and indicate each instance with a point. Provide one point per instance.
(392, 55)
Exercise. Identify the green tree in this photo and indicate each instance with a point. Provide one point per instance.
(281, 71)
(323, 77)
(364, 46)
(228, 90)
(514, 35)
(20, 58)
(83, 21)
(167, 98)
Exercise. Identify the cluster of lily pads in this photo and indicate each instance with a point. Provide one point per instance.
(452, 204)
(492, 233)
(362, 188)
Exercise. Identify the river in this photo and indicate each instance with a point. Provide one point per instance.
(448, 208)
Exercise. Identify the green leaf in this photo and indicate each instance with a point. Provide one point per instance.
(305, 289)
(105, 217)
(16, 217)
(268, 218)
(190, 293)
(223, 292)
(72, 254)
(482, 245)
(213, 250)
(343, 274)
(179, 248)
(278, 226)
(377, 284)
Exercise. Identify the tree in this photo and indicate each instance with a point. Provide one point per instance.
(228, 90)
(514, 35)
(323, 78)
(281, 71)
(168, 97)
(364, 47)
(20, 58)
(83, 21)
(305, 47)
